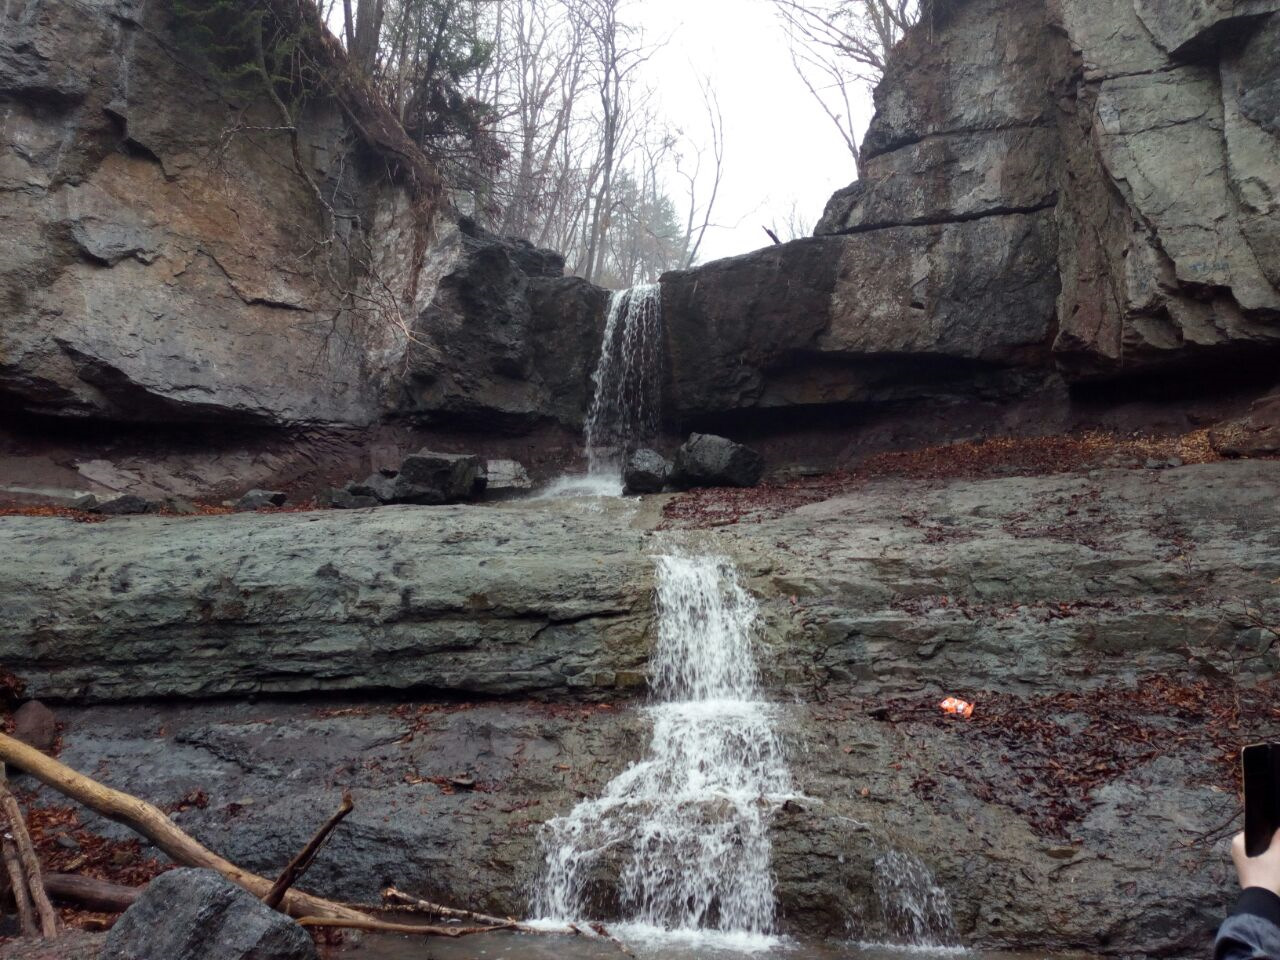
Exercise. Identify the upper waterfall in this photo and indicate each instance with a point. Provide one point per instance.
(628, 379)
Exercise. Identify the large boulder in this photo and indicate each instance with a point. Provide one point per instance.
(432, 478)
(199, 915)
(506, 343)
(645, 471)
(709, 461)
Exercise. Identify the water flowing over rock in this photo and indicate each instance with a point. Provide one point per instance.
(690, 820)
(916, 910)
(624, 408)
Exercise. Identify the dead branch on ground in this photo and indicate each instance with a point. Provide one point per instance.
(153, 824)
(21, 862)
(299, 864)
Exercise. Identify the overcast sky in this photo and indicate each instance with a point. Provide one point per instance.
(780, 147)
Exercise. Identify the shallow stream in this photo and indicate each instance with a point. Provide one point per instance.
(507, 946)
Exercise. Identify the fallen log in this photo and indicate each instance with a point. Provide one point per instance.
(90, 892)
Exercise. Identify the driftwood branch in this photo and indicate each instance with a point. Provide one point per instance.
(299, 864)
(28, 863)
(405, 901)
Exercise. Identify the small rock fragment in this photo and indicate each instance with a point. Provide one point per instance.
(378, 486)
(260, 499)
(341, 499)
(127, 505)
(35, 725)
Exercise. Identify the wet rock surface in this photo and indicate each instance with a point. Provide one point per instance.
(505, 599)
(1096, 619)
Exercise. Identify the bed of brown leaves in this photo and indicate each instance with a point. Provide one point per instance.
(65, 845)
(1055, 751)
(999, 456)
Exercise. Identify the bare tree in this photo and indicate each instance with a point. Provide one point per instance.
(792, 226)
(839, 46)
(619, 51)
(698, 220)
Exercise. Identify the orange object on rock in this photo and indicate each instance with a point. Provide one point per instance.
(957, 707)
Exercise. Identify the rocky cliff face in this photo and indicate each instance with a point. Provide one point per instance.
(164, 262)
(1050, 192)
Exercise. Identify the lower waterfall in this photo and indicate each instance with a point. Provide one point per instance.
(685, 829)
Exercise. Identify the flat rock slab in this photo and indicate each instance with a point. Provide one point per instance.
(494, 600)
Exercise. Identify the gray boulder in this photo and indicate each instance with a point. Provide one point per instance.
(86, 501)
(377, 485)
(124, 506)
(645, 471)
(433, 478)
(705, 460)
(341, 499)
(259, 499)
(199, 915)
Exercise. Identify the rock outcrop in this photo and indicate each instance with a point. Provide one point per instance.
(488, 601)
(1085, 190)
(164, 262)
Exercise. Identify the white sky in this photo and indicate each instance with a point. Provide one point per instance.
(780, 148)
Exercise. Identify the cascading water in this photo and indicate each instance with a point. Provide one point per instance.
(624, 405)
(685, 829)
(915, 908)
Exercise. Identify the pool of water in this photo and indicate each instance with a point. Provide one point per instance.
(515, 946)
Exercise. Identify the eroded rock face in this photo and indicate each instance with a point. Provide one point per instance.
(488, 600)
(163, 260)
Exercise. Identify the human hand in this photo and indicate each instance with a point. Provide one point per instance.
(1260, 871)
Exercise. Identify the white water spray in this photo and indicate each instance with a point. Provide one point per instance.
(915, 907)
(685, 829)
(627, 378)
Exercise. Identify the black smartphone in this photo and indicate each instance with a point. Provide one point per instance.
(1260, 765)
